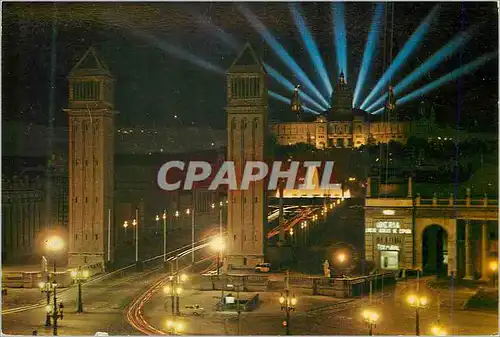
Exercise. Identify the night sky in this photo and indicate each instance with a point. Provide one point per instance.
(153, 86)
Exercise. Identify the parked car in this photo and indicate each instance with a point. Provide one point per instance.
(194, 310)
(263, 268)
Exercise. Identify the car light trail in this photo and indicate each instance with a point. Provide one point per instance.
(281, 53)
(409, 47)
(370, 50)
(311, 47)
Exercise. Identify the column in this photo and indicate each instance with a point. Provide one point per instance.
(418, 248)
(468, 260)
(484, 252)
(452, 247)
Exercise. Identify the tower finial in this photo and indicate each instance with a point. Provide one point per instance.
(342, 77)
(295, 103)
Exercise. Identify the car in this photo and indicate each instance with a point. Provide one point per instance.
(263, 268)
(194, 310)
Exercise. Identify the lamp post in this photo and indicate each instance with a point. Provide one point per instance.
(54, 245)
(157, 219)
(46, 287)
(135, 222)
(79, 276)
(188, 212)
(164, 216)
(219, 246)
(173, 289)
(371, 318)
(418, 302)
(125, 225)
(288, 302)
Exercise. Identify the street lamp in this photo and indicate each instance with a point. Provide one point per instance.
(164, 216)
(493, 265)
(341, 257)
(46, 287)
(54, 245)
(438, 330)
(418, 302)
(174, 289)
(157, 219)
(79, 276)
(188, 211)
(219, 246)
(371, 318)
(125, 225)
(288, 302)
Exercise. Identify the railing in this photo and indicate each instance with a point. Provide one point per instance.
(451, 202)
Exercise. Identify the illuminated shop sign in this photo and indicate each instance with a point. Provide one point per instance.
(387, 247)
(388, 227)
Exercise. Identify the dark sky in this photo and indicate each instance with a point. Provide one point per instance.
(153, 85)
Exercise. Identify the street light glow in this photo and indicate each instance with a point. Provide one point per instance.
(125, 224)
(493, 266)
(218, 244)
(341, 257)
(416, 301)
(54, 244)
(437, 330)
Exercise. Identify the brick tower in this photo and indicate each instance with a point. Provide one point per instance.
(91, 151)
(246, 125)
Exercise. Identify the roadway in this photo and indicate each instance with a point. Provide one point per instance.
(314, 315)
(105, 299)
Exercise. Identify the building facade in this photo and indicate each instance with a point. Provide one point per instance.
(340, 126)
(436, 236)
(247, 125)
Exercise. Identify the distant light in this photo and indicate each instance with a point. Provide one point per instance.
(352, 178)
(212, 144)
(175, 116)
(388, 212)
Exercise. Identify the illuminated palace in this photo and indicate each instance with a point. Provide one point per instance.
(340, 126)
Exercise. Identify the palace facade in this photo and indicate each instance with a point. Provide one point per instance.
(341, 126)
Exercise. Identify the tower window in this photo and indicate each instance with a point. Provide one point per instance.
(96, 237)
(86, 91)
(76, 237)
(246, 87)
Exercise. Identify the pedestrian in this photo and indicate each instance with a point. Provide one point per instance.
(35, 333)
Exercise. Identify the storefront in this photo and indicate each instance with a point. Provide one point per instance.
(388, 239)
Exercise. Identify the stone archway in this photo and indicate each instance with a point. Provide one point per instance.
(434, 250)
(449, 226)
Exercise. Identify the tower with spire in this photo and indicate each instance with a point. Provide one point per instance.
(91, 151)
(296, 104)
(341, 99)
(390, 105)
(246, 127)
